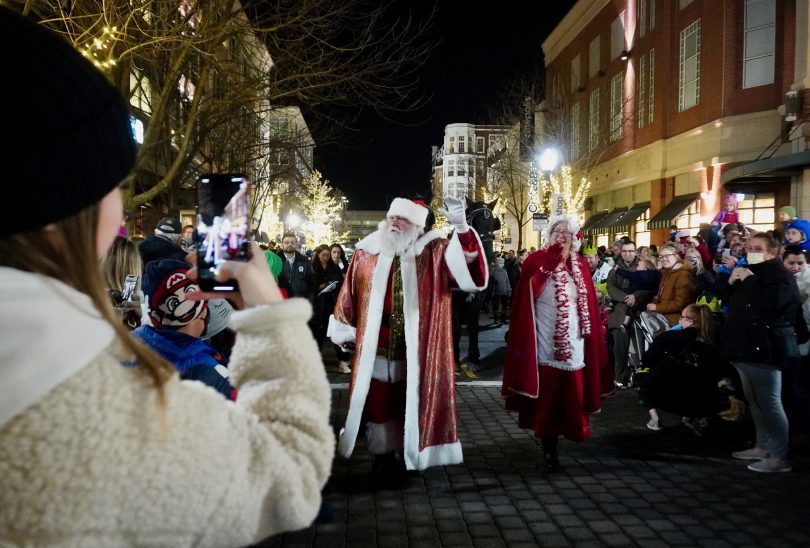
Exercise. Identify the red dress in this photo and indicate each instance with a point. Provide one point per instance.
(551, 401)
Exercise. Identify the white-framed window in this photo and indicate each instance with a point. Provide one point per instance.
(645, 93)
(575, 124)
(593, 58)
(641, 234)
(645, 16)
(617, 36)
(576, 64)
(479, 144)
(451, 166)
(452, 144)
(759, 43)
(140, 91)
(461, 168)
(689, 67)
(462, 142)
(756, 210)
(616, 105)
(593, 120)
(690, 219)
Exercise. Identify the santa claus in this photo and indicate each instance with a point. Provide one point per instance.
(395, 306)
(555, 346)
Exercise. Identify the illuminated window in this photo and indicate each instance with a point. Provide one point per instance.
(646, 87)
(646, 16)
(689, 67)
(452, 144)
(140, 91)
(593, 120)
(690, 219)
(616, 106)
(641, 235)
(575, 122)
(756, 210)
(617, 36)
(462, 142)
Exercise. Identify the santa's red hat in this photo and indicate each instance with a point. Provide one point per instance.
(407, 209)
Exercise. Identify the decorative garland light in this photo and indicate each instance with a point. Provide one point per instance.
(99, 49)
(563, 184)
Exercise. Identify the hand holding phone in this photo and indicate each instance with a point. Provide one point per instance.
(222, 228)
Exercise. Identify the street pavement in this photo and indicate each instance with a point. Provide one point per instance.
(625, 486)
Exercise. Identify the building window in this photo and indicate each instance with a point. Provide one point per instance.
(462, 142)
(593, 58)
(576, 63)
(690, 219)
(757, 210)
(140, 91)
(617, 36)
(575, 131)
(760, 43)
(646, 87)
(646, 16)
(641, 234)
(616, 106)
(689, 67)
(479, 144)
(452, 144)
(461, 168)
(593, 120)
(684, 3)
(451, 166)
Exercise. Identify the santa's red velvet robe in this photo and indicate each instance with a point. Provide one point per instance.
(523, 378)
(429, 269)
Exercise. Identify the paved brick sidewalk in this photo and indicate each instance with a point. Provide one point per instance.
(625, 486)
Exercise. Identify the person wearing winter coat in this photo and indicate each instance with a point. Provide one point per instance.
(677, 287)
(797, 232)
(501, 292)
(101, 444)
(759, 339)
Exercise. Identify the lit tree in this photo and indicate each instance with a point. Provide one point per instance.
(202, 83)
(562, 184)
(322, 211)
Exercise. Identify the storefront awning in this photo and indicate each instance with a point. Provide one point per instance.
(624, 221)
(666, 217)
(592, 220)
(769, 168)
(604, 224)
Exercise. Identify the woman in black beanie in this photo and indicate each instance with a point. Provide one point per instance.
(100, 444)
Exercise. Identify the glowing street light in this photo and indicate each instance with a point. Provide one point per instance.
(549, 159)
(293, 220)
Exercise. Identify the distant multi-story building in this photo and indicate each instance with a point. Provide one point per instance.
(360, 223)
(459, 165)
(670, 104)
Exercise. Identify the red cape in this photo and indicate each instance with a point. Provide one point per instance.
(520, 370)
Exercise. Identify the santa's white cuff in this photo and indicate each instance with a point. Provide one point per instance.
(340, 332)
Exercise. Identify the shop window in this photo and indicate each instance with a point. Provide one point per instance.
(690, 219)
(641, 235)
(756, 210)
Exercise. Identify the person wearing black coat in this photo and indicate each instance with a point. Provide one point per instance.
(296, 275)
(759, 339)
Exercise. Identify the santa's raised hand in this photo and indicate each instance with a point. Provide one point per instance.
(453, 211)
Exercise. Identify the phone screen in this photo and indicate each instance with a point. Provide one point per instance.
(128, 291)
(222, 226)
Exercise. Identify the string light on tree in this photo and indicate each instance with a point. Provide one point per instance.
(99, 50)
(562, 183)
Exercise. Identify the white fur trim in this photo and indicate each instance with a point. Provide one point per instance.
(340, 332)
(456, 260)
(407, 209)
(449, 453)
(365, 362)
(382, 438)
(410, 309)
(573, 226)
(371, 243)
(388, 371)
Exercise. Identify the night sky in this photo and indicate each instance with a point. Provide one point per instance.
(479, 49)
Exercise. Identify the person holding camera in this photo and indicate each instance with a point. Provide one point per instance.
(100, 442)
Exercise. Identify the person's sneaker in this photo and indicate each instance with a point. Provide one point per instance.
(755, 453)
(655, 425)
(344, 368)
(696, 425)
(770, 466)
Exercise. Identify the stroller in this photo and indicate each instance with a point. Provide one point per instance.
(646, 326)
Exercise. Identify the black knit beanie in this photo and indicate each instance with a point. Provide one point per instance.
(66, 139)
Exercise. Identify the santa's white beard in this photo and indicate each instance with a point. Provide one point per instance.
(391, 240)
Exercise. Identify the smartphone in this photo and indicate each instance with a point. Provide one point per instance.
(726, 252)
(222, 226)
(128, 291)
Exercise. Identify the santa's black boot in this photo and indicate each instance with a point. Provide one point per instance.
(551, 459)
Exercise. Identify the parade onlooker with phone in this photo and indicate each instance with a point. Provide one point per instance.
(100, 442)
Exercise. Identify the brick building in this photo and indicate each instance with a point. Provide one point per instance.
(668, 104)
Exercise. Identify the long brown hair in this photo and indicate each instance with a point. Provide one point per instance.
(122, 259)
(703, 321)
(67, 251)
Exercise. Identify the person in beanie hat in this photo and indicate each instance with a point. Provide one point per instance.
(139, 439)
(164, 243)
(395, 305)
(787, 214)
(555, 347)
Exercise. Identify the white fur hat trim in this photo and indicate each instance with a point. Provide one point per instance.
(407, 209)
(573, 226)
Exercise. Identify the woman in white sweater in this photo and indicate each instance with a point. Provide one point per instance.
(100, 443)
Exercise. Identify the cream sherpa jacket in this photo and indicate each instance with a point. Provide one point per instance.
(89, 458)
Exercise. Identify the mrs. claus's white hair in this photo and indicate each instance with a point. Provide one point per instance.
(573, 226)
